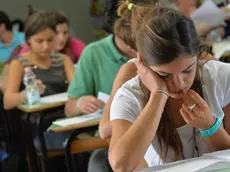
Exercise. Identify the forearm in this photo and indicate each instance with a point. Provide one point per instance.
(71, 108)
(219, 141)
(141, 133)
(11, 100)
(105, 129)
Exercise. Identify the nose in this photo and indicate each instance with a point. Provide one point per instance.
(45, 45)
(178, 82)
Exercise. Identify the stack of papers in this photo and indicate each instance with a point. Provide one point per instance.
(79, 119)
(83, 118)
(56, 98)
(220, 48)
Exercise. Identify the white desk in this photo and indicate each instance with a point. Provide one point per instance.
(205, 163)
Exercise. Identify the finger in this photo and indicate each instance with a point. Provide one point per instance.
(185, 116)
(189, 112)
(198, 111)
(92, 106)
(39, 81)
(197, 99)
(98, 103)
(88, 110)
(187, 99)
(138, 58)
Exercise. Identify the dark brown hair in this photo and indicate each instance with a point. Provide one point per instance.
(37, 22)
(164, 35)
(123, 25)
(60, 18)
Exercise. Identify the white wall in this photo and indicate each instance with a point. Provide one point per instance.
(76, 10)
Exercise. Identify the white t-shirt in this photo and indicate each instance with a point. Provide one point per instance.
(128, 104)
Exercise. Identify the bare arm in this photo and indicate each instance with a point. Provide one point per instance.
(71, 108)
(124, 134)
(68, 67)
(12, 96)
(221, 139)
(126, 72)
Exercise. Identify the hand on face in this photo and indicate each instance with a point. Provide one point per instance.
(149, 78)
(196, 111)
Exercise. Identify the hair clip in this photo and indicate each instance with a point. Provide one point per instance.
(130, 6)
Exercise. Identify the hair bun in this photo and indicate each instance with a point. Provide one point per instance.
(121, 9)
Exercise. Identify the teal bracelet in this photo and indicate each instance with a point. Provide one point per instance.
(213, 129)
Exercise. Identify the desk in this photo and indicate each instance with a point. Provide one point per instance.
(40, 108)
(56, 128)
(205, 163)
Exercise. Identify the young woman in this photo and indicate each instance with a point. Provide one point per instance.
(128, 70)
(54, 70)
(177, 107)
(64, 43)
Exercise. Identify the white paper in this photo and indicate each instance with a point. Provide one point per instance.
(191, 166)
(103, 96)
(220, 48)
(79, 119)
(56, 98)
(225, 154)
(209, 13)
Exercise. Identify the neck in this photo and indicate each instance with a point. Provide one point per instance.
(37, 58)
(7, 37)
(123, 48)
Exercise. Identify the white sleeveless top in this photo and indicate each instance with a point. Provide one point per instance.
(128, 104)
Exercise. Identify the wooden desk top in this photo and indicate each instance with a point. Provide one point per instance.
(47, 102)
(38, 107)
(56, 128)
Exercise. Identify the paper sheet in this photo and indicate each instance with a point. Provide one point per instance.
(79, 119)
(191, 166)
(103, 97)
(220, 48)
(225, 154)
(84, 118)
(56, 98)
(209, 13)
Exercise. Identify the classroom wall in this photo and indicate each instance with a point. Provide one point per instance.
(76, 10)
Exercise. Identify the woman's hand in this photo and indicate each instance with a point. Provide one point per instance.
(149, 78)
(41, 87)
(196, 111)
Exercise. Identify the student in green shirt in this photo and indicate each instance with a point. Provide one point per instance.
(96, 70)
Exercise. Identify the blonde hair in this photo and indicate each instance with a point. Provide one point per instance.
(126, 24)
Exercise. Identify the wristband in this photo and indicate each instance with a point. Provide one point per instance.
(212, 129)
(161, 91)
(78, 102)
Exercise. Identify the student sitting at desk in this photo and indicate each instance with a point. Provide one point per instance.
(128, 71)
(174, 109)
(95, 72)
(53, 70)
